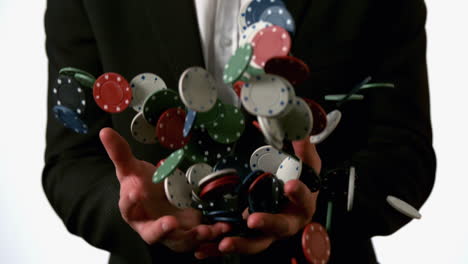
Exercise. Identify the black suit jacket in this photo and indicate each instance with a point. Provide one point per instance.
(387, 136)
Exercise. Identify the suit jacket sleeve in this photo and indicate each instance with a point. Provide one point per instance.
(397, 157)
(78, 178)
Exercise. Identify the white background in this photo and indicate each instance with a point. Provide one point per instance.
(30, 232)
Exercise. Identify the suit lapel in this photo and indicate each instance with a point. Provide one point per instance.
(175, 24)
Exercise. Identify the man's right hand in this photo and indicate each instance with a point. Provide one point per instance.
(144, 206)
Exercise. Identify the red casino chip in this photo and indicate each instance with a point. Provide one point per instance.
(219, 187)
(293, 261)
(160, 163)
(257, 125)
(237, 86)
(315, 244)
(112, 92)
(270, 42)
(258, 180)
(169, 129)
(319, 115)
(292, 69)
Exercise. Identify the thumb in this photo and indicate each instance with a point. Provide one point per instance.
(307, 152)
(118, 150)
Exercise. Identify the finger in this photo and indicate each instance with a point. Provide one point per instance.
(290, 222)
(207, 250)
(300, 195)
(243, 245)
(205, 233)
(307, 152)
(180, 240)
(118, 150)
(155, 231)
(278, 225)
(128, 206)
(220, 228)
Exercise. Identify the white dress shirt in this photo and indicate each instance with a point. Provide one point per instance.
(219, 33)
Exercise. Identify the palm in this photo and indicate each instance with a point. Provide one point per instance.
(144, 206)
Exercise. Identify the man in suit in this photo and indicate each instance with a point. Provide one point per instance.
(387, 136)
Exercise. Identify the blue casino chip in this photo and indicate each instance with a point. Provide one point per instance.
(257, 7)
(189, 121)
(280, 16)
(70, 119)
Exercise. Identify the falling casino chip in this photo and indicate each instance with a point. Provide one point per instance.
(196, 172)
(86, 79)
(158, 102)
(241, 21)
(69, 93)
(255, 9)
(169, 129)
(142, 131)
(270, 42)
(316, 244)
(112, 92)
(178, 190)
(217, 188)
(298, 122)
(202, 148)
(143, 85)
(169, 165)
(272, 130)
(190, 118)
(247, 36)
(266, 95)
(267, 159)
(403, 207)
(197, 89)
(229, 126)
(70, 119)
(319, 116)
(279, 16)
(237, 64)
(289, 169)
(291, 68)
(333, 119)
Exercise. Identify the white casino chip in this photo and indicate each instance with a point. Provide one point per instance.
(289, 169)
(144, 85)
(196, 172)
(197, 89)
(298, 122)
(266, 158)
(403, 207)
(178, 190)
(266, 95)
(333, 119)
(142, 131)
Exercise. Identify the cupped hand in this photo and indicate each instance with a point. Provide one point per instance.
(298, 213)
(144, 206)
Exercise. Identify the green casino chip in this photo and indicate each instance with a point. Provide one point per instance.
(194, 154)
(229, 126)
(237, 64)
(158, 102)
(169, 165)
(206, 118)
(84, 78)
(252, 71)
